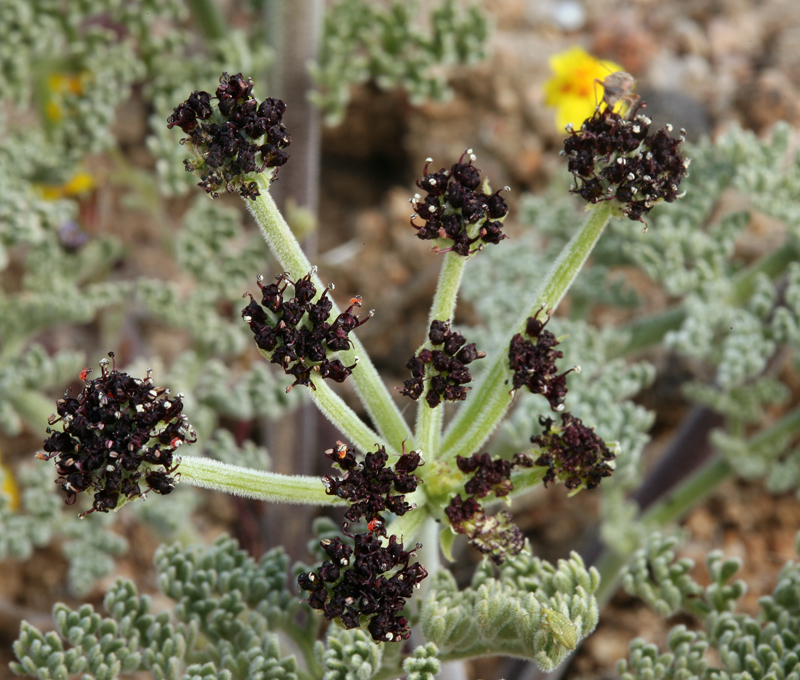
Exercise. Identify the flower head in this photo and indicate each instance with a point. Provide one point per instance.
(294, 332)
(572, 90)
(233, 138)
(118, 439)
(372, 487)
(614, 159)
(573, 453)
(534, 365)
(443, 368)
(460, 211)
(366, 584)
(60, 87)
(494, 535)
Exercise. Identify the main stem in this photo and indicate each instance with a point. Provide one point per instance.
(477, 419)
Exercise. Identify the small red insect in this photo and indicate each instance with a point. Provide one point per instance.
(85, 373)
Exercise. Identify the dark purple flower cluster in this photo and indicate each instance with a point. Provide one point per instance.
(613, 158)
(459, 210)
(235, 142)
(367, 584)
(534, 365)
(444, 369)
(496, 536)
(118, 435)
(368, 487)
(295, 332)
(573, 453)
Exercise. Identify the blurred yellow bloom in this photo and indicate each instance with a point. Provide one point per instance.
(80, 183)
(57, 85)
(572, 90)
(8, 487)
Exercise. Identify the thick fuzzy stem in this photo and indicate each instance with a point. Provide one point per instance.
(264, 486)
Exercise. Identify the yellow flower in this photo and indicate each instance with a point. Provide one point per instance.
(8, 488)
(572, 90)
(80, 183)
(57, 85)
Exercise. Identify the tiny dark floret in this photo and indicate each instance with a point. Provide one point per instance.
(118, 439)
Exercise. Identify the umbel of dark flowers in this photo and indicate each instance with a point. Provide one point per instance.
(232, 135)
(573, 453)
(118, 438)
(443, 368)
(534, 365)
(613, 158)
(460, 211)
(294, 332)
(368, 583)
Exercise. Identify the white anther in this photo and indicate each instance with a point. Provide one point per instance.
(429, 160)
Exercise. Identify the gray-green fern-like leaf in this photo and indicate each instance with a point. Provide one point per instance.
(349, 655)
(654, 575)
(363, 40)
(533, 610)
(226, 604)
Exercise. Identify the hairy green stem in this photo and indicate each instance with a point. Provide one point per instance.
(258, 484)
(369, 386)
(477, 419)
(345, 419)
(675, 504)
